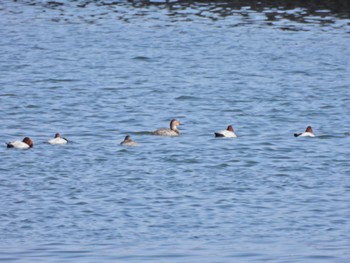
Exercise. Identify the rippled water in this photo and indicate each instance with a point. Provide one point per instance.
(96, 71)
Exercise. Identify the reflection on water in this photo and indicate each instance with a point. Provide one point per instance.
(321, 12)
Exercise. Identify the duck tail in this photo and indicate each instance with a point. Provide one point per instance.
(218, 134)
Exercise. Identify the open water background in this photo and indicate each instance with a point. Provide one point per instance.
(96, 71)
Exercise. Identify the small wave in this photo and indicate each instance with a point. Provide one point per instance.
(8, 95)
(56, 80)
(142, 58)
(143, 133)
(187, 98)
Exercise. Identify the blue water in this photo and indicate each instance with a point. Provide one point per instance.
(97, 71)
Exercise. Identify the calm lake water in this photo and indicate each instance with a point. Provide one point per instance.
(96, 71)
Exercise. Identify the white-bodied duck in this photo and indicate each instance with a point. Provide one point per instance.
(308, 133)
(58, 140)
(23, 145)
(229, 132)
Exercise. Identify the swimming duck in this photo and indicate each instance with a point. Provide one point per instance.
(308, 133)
(229, 133)
(25, 144)
(128, 141)
(58, 140)
(173, 131)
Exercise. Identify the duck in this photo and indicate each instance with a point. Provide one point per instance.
(229, 132)
(26, 143)
(128, 141)
(173, 131)
(308, 133)
(58, 140)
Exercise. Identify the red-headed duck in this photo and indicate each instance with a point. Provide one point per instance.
(229, 133)
(25, 144)
(308, 133)
(58, 140)
(128, 141)
(173, 131)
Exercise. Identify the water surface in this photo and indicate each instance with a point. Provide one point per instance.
(96, 71)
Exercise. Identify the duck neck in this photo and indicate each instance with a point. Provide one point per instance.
(173, 127)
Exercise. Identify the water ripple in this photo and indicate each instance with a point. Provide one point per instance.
(96, 71)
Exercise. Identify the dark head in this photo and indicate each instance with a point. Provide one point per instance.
(230, 128)
(28, 141)
(57, 135)
(309, 129)
(127, 138)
